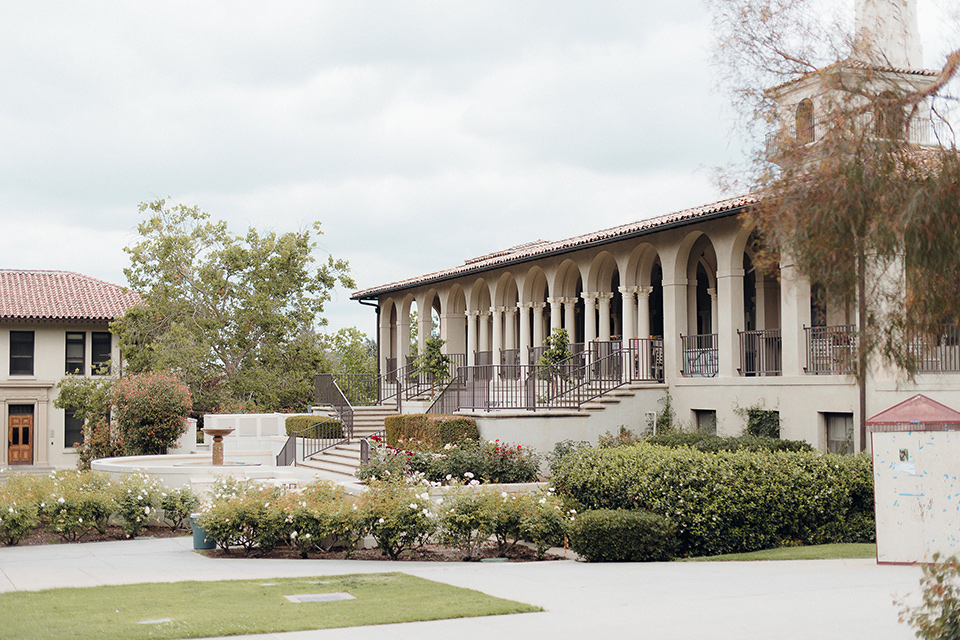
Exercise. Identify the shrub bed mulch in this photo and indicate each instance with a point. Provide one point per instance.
(426, 553)
(42, 536)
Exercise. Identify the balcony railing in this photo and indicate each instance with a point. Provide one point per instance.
(590, 372)
(938, 353)
(831, 350)
(761, 353)
(700, 358)
(645, 359)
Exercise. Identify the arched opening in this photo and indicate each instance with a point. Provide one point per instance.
(806, 132)
(889, 118)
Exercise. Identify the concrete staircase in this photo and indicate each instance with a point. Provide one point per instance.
(343, 459)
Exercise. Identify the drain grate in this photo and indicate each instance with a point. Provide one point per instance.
(319, 597)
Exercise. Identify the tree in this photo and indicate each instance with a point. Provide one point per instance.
(433, 362)
(234, 316)
(845, 193)
(350, 351)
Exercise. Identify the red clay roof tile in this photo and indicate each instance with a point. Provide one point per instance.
(61, 295)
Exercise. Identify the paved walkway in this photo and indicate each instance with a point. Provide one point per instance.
(821, 599)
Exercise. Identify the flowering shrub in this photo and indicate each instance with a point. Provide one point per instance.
(385, 462)
(397, 515)
(99, 441)
(319, 516)
(177, 504)
(486, 461)
(253, 519)
(471, 515)
(18, 513)
(729, 502)
(137, 497)
(150, 409)
(78, 502)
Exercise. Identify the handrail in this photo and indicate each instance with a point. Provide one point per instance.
(313, 439)
(328, 392)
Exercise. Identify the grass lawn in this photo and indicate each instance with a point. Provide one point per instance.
(816, 552)
(231, 607)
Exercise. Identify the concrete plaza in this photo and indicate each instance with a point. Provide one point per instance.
(820, 599)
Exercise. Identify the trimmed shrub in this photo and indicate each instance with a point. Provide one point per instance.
(607, 535)
(331, 427)
(729, 501)
(431, 432)
(706, 442)
(561, 449)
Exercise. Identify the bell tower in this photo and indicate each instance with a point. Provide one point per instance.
(887, 34)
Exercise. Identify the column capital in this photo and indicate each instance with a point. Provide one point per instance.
(509, 311)
(473, 313)
(538, 305)
(712, 293)
(497, 309)
(606, 295)
(627, 290)
(525, 305)
(644, 291)
(572, 300)
(589, 296)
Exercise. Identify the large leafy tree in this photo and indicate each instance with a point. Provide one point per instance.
(848, 196)
(234, 316)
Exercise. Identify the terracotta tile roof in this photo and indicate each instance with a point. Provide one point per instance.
(544, 248)
(60, 295)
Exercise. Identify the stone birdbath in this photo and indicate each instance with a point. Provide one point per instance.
(217, 442)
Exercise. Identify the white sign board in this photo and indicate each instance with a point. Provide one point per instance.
(916, 478)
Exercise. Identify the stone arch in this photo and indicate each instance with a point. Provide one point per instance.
(453, 320)
(603, 308)
(567, 307)
(805, 122)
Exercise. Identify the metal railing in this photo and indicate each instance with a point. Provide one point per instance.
(645, 359)
(311, 440)
(938, 353)
(700, 357)
(831, 350)
(405, 383)
(761, 353)
(326, 391)
(568, 383)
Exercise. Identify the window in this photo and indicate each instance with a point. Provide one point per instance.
(889, 119)
(72, 430)
(706, 421)
(839, 432)
(21, 353)
(100, 352)
(805, 125)
(76, 346)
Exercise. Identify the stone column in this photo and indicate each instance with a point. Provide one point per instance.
(524, 309)
(403, 340)
(728, 321)
(604, 301)
(555, 311)
(510, 328)
(589, 317)
(570, 317)
(794, 316)
(424, 329)
(385, 341)
(496, 316)
(472, 337)
(675, 316)
(643, 311)
(538, 336)
(483, 329)
(629, 307)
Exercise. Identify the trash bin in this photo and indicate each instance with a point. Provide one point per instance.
(200, 538)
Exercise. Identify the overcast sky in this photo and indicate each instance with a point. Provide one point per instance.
(419, 133)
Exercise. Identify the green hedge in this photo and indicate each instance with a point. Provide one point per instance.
(420, 430)
(706, 442)
(608, 535)
(331, 428)
(729, 502)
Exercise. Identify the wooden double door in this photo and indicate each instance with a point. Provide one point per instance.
(20, 434)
